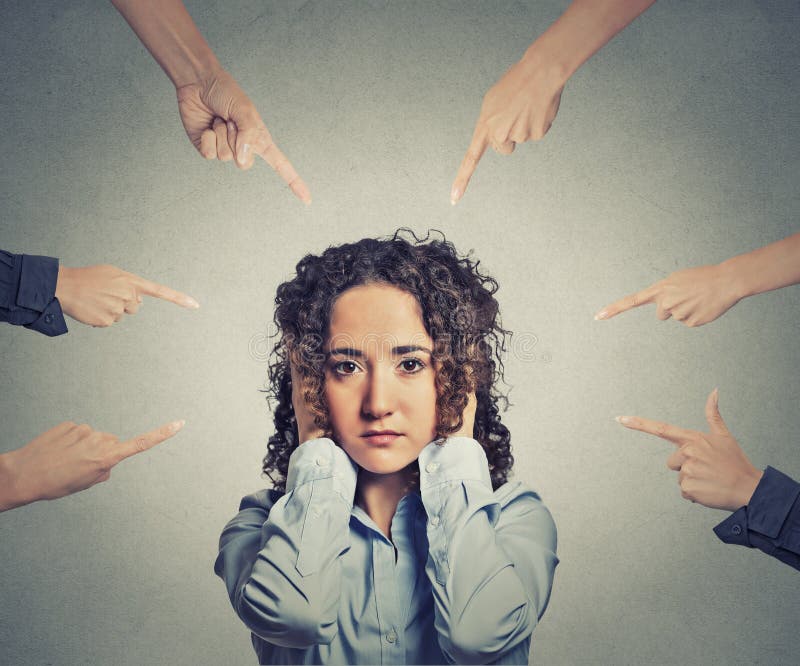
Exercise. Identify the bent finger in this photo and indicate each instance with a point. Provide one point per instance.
(677, 459)
(165, 293)
(208, 144)
(224, 152)
(629, 302)
(660, 429)
(146, 441)
(505, 148)
(477, 147)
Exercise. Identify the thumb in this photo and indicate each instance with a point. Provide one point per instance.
(714, 418)
(250, 134)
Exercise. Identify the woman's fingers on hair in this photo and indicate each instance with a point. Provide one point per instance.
(660, 429)
(224, 152)
(146, 441)
(477, 147)
(208, 144)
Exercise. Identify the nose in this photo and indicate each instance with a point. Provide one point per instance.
(379, 398)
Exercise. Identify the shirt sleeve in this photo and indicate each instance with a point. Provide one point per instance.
(27, 293)
(491, 555)
(280, 560)
(770, 522)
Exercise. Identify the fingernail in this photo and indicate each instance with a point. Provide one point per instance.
(242, 156)
(624, 420)
(603, 314)
(716, 397)
(455, 195)
(139, 299)
(177, 425)
(189, 302)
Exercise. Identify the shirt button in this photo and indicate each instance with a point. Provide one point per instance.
(736, 529)
(48, 319)
(391, 636)
(322, 461)
(430, 468)
(434, 521)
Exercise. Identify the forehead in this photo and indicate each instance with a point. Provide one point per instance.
(376, 313)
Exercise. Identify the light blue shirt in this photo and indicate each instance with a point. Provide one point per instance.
(317, 582)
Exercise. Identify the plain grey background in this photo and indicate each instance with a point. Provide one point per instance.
(677, 145)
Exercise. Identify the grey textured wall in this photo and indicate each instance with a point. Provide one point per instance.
(676, 146)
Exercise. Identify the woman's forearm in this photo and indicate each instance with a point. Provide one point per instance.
(582, 30)
(770, 267)
(171, 36)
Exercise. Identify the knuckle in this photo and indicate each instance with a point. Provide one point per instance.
(141, 444)
(84, 430)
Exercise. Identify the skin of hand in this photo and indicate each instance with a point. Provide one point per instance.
(100, 295)
(306, 428)
(220, 119)
(712, 468)
(223, 123)
(694, 296)
(523, 104)
(66, 459)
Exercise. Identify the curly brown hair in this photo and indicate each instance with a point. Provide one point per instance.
(459, 312)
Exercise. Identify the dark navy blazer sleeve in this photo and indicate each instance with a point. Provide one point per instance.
(28, 293)
(771, 522)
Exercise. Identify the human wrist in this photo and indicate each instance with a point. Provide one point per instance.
(65, 284)
(747, 487)
(552, 64)
(737, 277)
(12, 494)
(194, 69)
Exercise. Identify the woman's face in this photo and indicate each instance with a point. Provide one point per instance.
(379, 378)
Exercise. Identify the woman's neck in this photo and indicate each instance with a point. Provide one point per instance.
(379, 495)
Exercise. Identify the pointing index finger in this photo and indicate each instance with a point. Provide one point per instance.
(628, 303)
(165, 293)
(146, 441)
(477, 147)
(671, 433)
(273, 156)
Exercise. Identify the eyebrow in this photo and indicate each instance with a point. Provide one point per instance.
(396, 351)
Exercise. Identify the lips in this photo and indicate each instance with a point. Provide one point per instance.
(381, 437)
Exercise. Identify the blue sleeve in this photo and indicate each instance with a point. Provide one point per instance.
(280, 555)
(491, 555)
(27, 293)
(770, 522)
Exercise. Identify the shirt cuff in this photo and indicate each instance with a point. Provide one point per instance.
(458, 459)
(322, 459)
(771, 502)
(37, 282)
(51, 322)
(733, 530)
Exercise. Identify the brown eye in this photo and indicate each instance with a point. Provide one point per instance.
(345, 368)
(411, 365)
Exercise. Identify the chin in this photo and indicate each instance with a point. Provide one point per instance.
(381, 460)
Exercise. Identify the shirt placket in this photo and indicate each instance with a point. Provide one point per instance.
(386, 598)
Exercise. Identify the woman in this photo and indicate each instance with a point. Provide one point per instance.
(391, 535)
